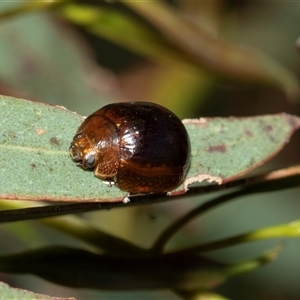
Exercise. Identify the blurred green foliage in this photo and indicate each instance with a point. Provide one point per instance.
(186, 56)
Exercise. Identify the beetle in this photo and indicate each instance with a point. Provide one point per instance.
(142, 147)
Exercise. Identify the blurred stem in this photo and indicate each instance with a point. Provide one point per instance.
(199, 295)
(223, 59)
(229, 271)
(80, 229)
(206, 14)
(289, 230)
(247, 266)
(26, 7)
(167, 234)
(123, 30)
(272, 181)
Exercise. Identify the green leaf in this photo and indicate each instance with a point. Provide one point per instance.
(8, 292)
(59, 264)
(219, 57)
(35, 163)
(253, 264)
(288, 230)
(226, 148)
(125, 31)
(45, 60)
(182, 272)
(199, 295)
(179, 41)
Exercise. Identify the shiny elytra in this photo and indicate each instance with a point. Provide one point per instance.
(141, 147)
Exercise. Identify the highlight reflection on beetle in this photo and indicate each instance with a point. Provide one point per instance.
(141, 147)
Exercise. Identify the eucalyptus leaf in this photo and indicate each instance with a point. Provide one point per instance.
(8, 292)
(35, 162)
(226, 148)
(60, 264)
(37, 54)
(221, 58)
(83, 269)
(125, 31)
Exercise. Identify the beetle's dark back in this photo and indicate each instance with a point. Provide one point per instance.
(156, 134)
(154, 147)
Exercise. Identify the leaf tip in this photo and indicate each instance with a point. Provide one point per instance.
(292, 120)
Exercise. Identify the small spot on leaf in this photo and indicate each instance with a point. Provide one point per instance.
(248, 133)
(40, 131)
(54, 141)
(268, 128)
(217, 148)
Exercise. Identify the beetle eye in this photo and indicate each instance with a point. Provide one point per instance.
(78, 136)
(90, 161)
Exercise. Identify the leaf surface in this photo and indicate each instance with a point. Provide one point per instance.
(35, 162)
(213, 54)
(45, 60)
(180, 42)
(226, 148)
(8, 292)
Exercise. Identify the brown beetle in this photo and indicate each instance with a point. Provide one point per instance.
(141, 147)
